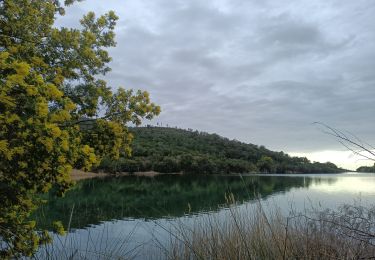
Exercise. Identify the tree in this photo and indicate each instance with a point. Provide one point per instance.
(366, 169)
(55, 111)
(266, 164)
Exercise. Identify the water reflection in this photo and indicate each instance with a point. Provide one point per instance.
(136, 212)
(99, 200)
(350, 183)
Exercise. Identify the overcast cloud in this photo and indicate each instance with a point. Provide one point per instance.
(256, 71)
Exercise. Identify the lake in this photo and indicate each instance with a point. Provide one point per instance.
(103, 213)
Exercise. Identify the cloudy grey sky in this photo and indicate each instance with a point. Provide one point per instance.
(257, 71)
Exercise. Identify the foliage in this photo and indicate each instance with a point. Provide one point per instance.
(49, 91)
(266, 164)
(175, 150)
(366, 169)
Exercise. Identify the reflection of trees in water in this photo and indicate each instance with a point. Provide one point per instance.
(98, 200)
(324, 180)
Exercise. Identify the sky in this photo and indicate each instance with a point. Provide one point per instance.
(256, 71)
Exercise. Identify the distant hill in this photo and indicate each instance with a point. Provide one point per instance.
(366, 169)
(170, 150)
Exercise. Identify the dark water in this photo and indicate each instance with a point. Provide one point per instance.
(139, 208)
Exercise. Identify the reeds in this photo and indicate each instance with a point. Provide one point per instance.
(258, 233)
(105, 243)
(250, 231)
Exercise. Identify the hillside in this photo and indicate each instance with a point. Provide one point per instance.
(175, 150)
(366, 169)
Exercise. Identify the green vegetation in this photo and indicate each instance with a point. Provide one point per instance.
(56, 113)
(170, 150)
(97, 200)
(366, 169)
(257, 233)
(49, 87)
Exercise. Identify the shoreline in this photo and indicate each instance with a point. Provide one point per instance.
(78, 175)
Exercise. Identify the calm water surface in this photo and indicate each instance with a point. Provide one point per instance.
(106, 212)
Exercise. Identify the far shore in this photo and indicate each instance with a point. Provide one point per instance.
(78, 175)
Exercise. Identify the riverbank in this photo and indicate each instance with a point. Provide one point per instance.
(78, 175)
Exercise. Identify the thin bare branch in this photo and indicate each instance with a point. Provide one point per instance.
(347, 142)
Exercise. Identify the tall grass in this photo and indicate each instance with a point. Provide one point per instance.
(105, 243)
(251, 231)
(256, 233)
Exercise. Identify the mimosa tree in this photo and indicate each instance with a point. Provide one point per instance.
(55, 111)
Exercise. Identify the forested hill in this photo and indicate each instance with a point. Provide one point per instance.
(175, 150)
(366, 169)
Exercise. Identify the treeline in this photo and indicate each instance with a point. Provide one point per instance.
(366, 169)
(170, 150)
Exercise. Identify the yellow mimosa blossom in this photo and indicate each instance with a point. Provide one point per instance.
(48, 143)
(55, 131)
(86, 149)
(61, 159)
(54, 92)
(65, 145)
(42, 109)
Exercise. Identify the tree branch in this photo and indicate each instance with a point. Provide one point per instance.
(346, 142)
